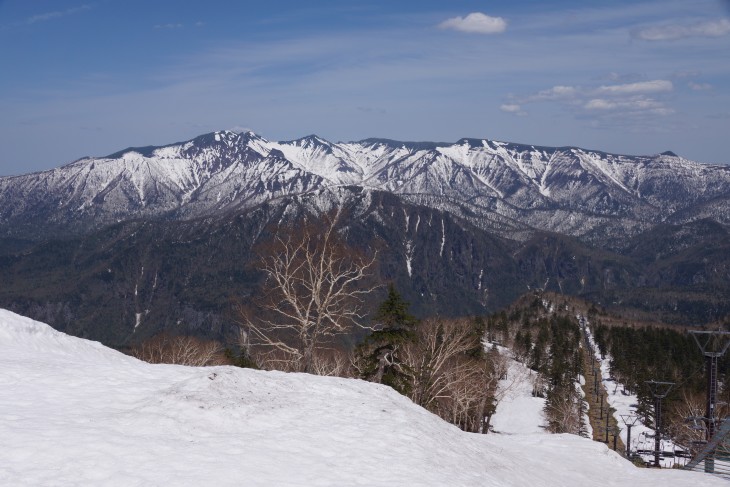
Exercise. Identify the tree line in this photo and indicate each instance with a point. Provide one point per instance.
(642, 354)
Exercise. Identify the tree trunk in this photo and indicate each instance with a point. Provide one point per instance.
(382, 362)
(487, 421)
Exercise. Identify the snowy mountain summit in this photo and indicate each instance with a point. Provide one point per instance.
(76, 413)
(565, 189)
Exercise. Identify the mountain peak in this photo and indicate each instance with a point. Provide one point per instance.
(397, 144)
(309, 140)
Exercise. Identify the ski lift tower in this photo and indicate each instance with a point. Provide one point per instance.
(659, 390)
(629, 420)
(713, 345)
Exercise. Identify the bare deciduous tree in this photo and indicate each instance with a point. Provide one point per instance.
(181, 350)
(315, 284)
(450, 375)
(685, 424)
(564, 413)
(470, 391)
(433, 356)
(334, 363)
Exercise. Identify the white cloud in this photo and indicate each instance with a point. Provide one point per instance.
(620, 77)
(636, 104)
(54, 15)
(556, 92)
(662, 111)
(655, 86)
(510, 108)
(559, 92)
(671, 32)
(599, 104)
(476, 23)
(637, 101)
(513, 108)
(699, 86)
(43, 17)
(644, 104)
(169, 26)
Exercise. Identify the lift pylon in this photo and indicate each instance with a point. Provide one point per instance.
(713, 345)
(659, 390)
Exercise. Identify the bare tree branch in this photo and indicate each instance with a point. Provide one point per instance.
(181, 350)
(315, 284)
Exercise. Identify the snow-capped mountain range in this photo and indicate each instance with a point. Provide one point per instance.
(505, 187)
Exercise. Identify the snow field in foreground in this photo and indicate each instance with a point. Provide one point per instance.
(73, 412)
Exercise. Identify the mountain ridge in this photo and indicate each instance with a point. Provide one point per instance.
(220, 171)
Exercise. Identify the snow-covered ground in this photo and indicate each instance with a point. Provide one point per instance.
(624, 404)
(73, 412)
(517, 411)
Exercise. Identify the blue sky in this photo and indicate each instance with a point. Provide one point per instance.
(90, 77)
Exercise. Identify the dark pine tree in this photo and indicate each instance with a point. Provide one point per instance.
(379, 352)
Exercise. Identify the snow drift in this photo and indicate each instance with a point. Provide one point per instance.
(73, 412)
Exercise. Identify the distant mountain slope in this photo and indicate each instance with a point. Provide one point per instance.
(128, 281)
(133, 279)
(204, 175)
(76, 413)
(588, 194)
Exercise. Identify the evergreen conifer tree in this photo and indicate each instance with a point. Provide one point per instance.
(378, 354)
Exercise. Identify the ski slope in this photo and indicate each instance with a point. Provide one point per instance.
(625, 404)
(73, 412)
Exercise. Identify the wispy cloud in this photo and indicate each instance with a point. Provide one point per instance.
(655, 86)
(631, 100)
(638, 103)
(55, 14)
(686, 74)
(699, 86)
(476, 23)
(513, 108)
(599, 104)
(620, 77)
(555, 93)
(672, 32)
(572, 93)
(44, 17)
(169, 26)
